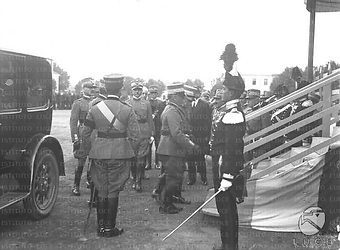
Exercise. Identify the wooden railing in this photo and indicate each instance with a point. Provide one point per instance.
(326, 109)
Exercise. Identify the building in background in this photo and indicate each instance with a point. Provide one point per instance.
(260, 82)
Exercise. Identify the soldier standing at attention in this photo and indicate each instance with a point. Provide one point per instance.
(174, 145)
(116, 143)
(80, 108)
(228, 129)
(157, 107)
(143, 111)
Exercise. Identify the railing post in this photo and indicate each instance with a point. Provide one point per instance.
(326, 99)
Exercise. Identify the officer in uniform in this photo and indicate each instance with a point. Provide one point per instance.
(143, 111)
(174, 145)
(100, 96)
(228, 129)
(116, 143)
(157, 107)
(80, 108)
(257, 124)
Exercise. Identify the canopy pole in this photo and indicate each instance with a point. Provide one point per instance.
(311, 7)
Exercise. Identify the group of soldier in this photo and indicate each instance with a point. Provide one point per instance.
(117, 138)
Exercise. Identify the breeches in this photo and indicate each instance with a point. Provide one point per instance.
(173, 171)
(109, 176)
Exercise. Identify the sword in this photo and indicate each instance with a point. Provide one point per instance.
(198, 209)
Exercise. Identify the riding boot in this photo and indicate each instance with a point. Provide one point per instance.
(133, 172)
(101, 215)
(77, 176)
(110, 229)
(139, 173)
(156, 193)
(88, 180)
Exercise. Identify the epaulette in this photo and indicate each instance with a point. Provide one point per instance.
(233, 117)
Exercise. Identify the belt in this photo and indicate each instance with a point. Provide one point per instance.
(102, 134)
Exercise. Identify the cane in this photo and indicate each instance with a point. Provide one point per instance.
(88, 215)
(198, 209)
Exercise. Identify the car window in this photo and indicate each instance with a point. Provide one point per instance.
(9, 83)
(38, 73)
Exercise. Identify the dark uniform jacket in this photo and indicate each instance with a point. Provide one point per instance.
(228, 129)
(80, 108)
(119, 141)
(175, 131)
(157, 107)
(200, 121)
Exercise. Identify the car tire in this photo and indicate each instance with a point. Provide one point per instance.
(44, 186)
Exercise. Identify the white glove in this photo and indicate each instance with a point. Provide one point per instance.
(151, 139)
(225, 185)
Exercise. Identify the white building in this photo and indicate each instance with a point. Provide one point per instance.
(260, 82)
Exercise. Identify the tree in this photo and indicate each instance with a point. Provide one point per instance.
(196, 83)
(64, 77)
(285, 76)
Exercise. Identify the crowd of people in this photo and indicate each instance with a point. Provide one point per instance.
(117, 137)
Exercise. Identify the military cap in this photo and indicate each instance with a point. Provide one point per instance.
(253, 93)
(296, 73)
(175, 88)
(189, 91)
(315, 98)
(88, 82)
(234, 82)
(113, 81)
(136, 84)
(229, 53)
(153, 89)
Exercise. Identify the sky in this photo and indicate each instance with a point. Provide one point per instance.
(168, 40)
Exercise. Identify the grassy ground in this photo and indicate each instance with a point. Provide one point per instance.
(138, 214)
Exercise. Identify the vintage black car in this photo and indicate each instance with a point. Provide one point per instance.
(31, 160)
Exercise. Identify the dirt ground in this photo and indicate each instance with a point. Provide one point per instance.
(138, 214)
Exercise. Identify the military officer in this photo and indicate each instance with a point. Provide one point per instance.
(80, 108)
(143, 111)
(174, 145)
(157, 107)
(116, 143)
(100, 96)
(228, 129)
(257, 124)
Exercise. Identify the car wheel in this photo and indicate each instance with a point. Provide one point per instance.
(44, 186)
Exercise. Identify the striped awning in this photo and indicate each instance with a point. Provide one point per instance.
(324, 5)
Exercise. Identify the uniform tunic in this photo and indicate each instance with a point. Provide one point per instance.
(142, 109)
(113, 146)
(173, 147)
(228, 129)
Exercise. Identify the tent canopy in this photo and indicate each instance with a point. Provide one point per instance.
(324, 5)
